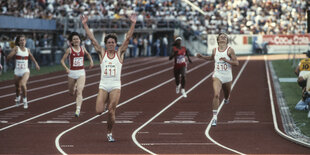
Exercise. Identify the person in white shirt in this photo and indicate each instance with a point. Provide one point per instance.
(224, 58)
(21, 71)
(111, 61)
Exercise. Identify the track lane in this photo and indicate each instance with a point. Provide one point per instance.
(144, 106)
(33, 123)
(246, 124)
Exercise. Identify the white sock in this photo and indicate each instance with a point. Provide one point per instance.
(78, 108)
(25, 99)
(18, 98)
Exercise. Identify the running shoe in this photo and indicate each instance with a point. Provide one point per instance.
(110, 138)
(183, 93)
(17, 101)
(226, 101)
(177, 90)
(77, 113)
(25, 105)
(309, 114)
(214, 120)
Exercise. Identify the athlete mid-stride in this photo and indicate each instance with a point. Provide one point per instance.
(224, 57)
(178, 53)
(111, 61)
(21, 71)
(76, 71)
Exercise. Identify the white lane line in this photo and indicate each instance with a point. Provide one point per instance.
(91, 70)
(219, 109)
(169, 134)
(53, 122)
(179, 122)
(87, 76)
(119, 122)
(123, 103)
(169, 144)
(93, 83)
(133, 136)
(84, 99)
(274, 117)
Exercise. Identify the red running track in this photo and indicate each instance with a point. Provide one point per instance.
(151, 118)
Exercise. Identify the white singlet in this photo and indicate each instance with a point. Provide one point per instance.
(222, 69)
(110, 72)
(21, 62)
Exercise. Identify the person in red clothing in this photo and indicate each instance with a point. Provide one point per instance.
(76, 72)
(178, 53)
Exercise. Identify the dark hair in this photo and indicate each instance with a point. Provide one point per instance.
(217, 39)
(111, 35)
(18, 39)
(73, 34)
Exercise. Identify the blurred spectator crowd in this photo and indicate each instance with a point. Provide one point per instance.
(230, 16)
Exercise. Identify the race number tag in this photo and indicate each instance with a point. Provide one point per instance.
(110, 70)
(78, 61)
(180, 59)
(304, 66)
(21, 65)
(221, 66)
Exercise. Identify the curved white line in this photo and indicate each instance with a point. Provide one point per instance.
(123, 103)
(133, 136)
(274, 117)
(219, 109)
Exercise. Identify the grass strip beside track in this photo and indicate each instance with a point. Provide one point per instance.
(292, 94)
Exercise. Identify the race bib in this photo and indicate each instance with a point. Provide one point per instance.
(110, 70)
(21, 65)
(221, 66)
(78, 61)
(180, 59)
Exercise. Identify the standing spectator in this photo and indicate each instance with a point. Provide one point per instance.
(165, 45)
(145, 45)
(140, 45)
(157, 45)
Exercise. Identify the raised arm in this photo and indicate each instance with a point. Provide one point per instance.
(90, 35)
(34, 60)
(124, 46)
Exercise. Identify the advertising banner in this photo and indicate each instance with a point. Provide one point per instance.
(287, 43)
(263, 44)
(242, 44)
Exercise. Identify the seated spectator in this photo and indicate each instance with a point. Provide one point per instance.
(306, 92)
(303, 68)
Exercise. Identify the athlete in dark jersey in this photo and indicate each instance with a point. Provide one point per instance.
(178, 53)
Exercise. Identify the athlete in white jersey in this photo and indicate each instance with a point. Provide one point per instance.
(111, 65)
(21, 71)
(224, 58)
(111, 68)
